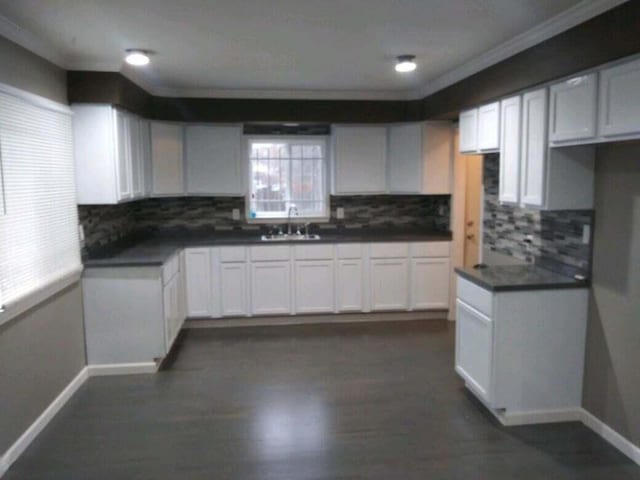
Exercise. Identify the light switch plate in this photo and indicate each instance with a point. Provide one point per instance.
(235, 214)
(340, 213)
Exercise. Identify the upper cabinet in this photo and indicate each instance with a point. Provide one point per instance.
(534, 147)
(359, 159)
(619, 112)
(480, 129)
(573, 109)
(510, 150)
(214, 159)
(167, 158)
(419, 159)
(108, 154)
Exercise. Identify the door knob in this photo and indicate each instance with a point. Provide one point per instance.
(471, 236)
(470, 223)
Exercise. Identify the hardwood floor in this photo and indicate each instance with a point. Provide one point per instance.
(344, 401)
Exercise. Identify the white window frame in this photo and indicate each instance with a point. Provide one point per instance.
(277, 219)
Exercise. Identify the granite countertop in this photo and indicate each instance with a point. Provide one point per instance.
(156, 249)
(501, 278)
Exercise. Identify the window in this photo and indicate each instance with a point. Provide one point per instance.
(39, 245)
(287, 172)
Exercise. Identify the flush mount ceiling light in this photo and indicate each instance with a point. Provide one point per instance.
(405, 63)
(136, 57)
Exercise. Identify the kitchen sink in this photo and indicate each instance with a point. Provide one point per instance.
(289, 238)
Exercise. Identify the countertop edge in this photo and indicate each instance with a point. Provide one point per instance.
(516, 288)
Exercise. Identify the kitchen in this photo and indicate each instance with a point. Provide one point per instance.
(286, 273)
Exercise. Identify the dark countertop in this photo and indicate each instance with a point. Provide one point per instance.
(502, 278)
(156, 249)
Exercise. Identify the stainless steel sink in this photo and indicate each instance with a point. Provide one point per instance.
(289, 238)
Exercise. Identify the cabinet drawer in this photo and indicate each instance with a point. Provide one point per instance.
(170, 268)
(475, 296)
(313, 252)
(233, 254)
(270, 253)
(389, 250)
(349, 250)
(430, 249)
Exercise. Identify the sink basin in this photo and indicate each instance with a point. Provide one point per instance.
(289, 238)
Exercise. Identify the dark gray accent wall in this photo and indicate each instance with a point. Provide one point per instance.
(611, 382)
(556, 236)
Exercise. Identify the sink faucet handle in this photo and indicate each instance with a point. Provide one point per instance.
(306, 228)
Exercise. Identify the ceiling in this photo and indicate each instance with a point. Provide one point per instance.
(285, 48)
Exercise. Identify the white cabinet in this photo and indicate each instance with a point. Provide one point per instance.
(572, 114)
(619, 101)
(167, 158)
(420, 158)
(171, 301)
(469, 131)
(198, 282)
(359, 159)
(510, 150)
(314, 286)
(233, 289)
(144, 127)
(270, 288)
(123, 158)
(489, 127)
(429, 283)
(534, 148)
(389, 284)
(214, 159)
(136, 143)
(350, 285)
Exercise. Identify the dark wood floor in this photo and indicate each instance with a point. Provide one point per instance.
(347, 401)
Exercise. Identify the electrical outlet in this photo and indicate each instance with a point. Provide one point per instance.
(235, 214)
(340, 213)
(586, 234)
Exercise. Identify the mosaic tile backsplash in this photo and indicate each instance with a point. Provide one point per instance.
(105, 224)
(556, 235)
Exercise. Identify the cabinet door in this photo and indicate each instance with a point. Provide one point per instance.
(469, 131)
(350, 283)
(489, 127)
(214, 159)
(510, 150)
(166, 155)
(137, 165)
(405, 158)
(198, 282)
(389, 284)
(619, 112)
(474, 349)
(534, 148)
(360, 155)
(123, 156)
(430, 283)
(270, 288)
(233, 289)
(573, 109)
(171, 311)
(314, 286)
(144, 127)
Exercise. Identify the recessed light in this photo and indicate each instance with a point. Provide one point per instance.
(405, 63)
(137, 57)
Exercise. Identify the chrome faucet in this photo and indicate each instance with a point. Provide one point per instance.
(291, 208)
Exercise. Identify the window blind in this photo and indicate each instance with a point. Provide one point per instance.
(39, 242)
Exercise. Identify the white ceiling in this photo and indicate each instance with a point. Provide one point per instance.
(284, 48)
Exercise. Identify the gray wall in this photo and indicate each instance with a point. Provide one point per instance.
(42, 350)
(611, 386)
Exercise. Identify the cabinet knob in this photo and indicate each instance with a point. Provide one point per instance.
(471, 236)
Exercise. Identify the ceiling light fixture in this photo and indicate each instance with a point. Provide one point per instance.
(405, 63)
(137, 57)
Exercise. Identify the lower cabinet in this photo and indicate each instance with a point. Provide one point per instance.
(270, 288)
(173, 322)
(389, 284)
(314, 286)
(233, 289)
(350, 285)
(198, 282)
(428, 290)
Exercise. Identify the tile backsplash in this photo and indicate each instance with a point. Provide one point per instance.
(556, 236)
(104, 224)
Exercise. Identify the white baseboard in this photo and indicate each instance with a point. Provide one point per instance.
(122, 369)
(511, 419)
(610, 435)
(20, 445)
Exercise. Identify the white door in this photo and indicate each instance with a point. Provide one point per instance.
(405, 158)
(233, 289)
(166, 156)
(360, 158)
(573, 109)
(510, 150)
(389, 284)
(534, 148)
(314, 286)
(123, 156)
(430, 283)
(270, 288)
(137, 160)
(198, 282)
(349, 285)
(469, 131)
(619, 112)
(489, 127)
(214, 159)
(474, 349)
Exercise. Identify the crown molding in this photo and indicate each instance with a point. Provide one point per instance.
(579, 13)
